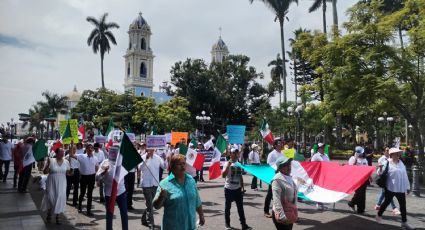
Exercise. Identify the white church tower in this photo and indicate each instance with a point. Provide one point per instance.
(139, 59)
(219, 50)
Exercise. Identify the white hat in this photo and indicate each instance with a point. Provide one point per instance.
(320, 145)
(254, 146)
(359, 150)
(395, 150)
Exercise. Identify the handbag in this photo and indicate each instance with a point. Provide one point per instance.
(381, 180)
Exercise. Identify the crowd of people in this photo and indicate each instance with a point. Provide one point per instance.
(78, 168)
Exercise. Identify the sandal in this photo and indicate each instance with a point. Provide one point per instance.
(57, 220)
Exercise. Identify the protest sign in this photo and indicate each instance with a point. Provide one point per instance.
(236, 134)
(168, 137)
(178, 136)
(73, 123)
(131, 136)
(289, 153)
(100, 139)
(156, 142)
(208, 157)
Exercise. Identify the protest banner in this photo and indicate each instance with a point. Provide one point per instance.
(100, 139)
(156, 142)
(236, 134)
(168, 137)
(131, 136)
(73, 123)
(178, 136)
(208, 154)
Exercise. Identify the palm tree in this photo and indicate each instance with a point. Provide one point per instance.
(322, 3)
(276, 73)
(99, 38)
(37, 114)
(54, 104)
(280, 9)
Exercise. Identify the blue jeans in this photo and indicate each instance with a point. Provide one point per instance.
(381, 197)
(121, 200)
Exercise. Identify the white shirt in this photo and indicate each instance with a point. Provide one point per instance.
(254, 157)
(360, 161)
(397, 180)
(108, 178)
(28, 156)
(74, 163)
(382, 160)
(148, 167)
(6, 151)
(319, 157)
(100, 156)
(87, 164)
(272, 157)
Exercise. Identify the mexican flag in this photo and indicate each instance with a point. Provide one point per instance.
(326, 182)
(193, 158)
(81, 132)
(265, 132)
(40, 150)
(127, 159)
(220, 147)
(110, 134)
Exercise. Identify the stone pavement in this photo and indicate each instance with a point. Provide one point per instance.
(212, 195)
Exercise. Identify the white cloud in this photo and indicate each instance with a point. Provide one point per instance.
(59, 57)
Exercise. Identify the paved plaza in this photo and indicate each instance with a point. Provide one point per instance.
(20, 211)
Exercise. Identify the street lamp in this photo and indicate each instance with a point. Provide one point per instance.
(203, 120)
(389, 121)
(11, 125)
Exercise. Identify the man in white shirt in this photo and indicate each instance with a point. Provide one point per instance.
(271, 160)
(320, 155)
(149, 182)
(254, 159)
(88, 168)
(100, 155)
(5, 157)
(73, 181)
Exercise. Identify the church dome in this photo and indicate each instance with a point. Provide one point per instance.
(139, 22)
(220, 45)
(73, 96)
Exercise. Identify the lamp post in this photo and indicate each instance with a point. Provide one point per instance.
(388, 121)
(203, 120)
(11, 125)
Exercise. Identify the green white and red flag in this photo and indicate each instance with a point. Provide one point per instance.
(265, 131)
(220, 147)
(127, 159)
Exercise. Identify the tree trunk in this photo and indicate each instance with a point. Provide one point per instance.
(282, 41)
(400, 36)
(324, 16)
(101, 70)
(335, 14)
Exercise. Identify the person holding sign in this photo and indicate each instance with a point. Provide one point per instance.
(179, 196)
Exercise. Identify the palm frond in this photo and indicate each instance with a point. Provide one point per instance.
(93, 21)
(316, 5)
(93, 33)
(103, 18)
(111, 25)
(110, 37)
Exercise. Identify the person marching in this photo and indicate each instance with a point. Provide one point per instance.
(149, 182)
(100, 155)
(27, 161)
(359, 198)
(73, 180)
(233, 189)
(271, 160)
(254, 159)
(320, 156)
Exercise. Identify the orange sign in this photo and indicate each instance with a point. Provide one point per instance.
(178, 136)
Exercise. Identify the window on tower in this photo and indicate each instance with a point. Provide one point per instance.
(129, 45)
(128, 70)
(143, 44)
(142, 70)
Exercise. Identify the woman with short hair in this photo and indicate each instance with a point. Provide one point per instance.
(179, 196)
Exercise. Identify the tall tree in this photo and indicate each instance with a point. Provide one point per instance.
(276, 72)
(335, 14)
(54, 103)
(280, 8)
(316, 5)
(100, 37)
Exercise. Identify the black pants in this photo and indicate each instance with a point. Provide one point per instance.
(401, 197)
(24, 177)
(268, 199)
(161, 171)
(201, 174)
(6, 169)
(254, 180)
(280, 226)
(15, 175)
(73, 181)
(359, 198)
(236, 196)
(129, 180)
(86, 184)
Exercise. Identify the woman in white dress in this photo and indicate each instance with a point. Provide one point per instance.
(54, 199)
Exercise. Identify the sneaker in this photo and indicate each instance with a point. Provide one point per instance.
(377, 207)
(405, 225)
(246, 227)
(378, 219)
(352, 207)
(268, 215)
(228, 227)
(396, 211)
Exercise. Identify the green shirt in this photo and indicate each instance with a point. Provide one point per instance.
(181, 203)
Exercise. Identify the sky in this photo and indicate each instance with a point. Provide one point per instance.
(43, 44)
